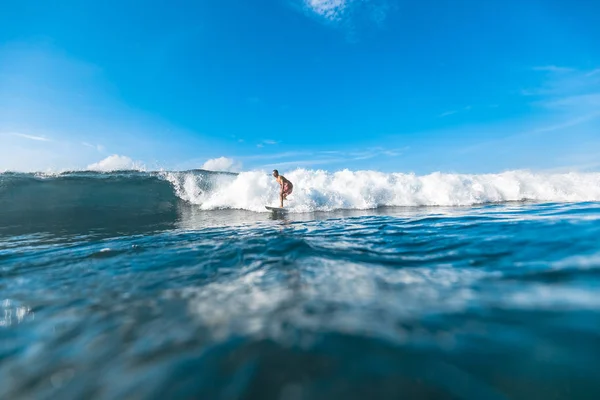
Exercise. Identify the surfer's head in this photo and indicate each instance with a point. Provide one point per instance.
(275, 173)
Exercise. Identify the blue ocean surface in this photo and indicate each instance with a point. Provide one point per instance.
(181, 285)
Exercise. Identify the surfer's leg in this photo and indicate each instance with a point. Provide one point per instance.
(281, 199)
(287, 190)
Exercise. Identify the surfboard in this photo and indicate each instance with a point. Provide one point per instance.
(276, 209)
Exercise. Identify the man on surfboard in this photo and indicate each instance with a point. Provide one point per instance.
(286, 186)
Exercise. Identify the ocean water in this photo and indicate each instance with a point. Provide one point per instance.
(153, 285)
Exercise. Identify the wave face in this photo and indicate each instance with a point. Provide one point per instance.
(85, 200)
(133, 193)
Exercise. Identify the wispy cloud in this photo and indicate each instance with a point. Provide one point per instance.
(304, 159)
(30, 137)
(542, 129)
(305, 163)
(567, 124)
(98, 147)
(563, 169)
(592, 73)
(267, 143)
(274, 156)
(239, 140)
(565, 82)
(564, 103)
(394, 152)
(553, 68)
(576, 98)
(587, 101)
(374, 152)
(452, 112)
(447, 114)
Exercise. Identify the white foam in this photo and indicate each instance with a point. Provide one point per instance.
(316, 190)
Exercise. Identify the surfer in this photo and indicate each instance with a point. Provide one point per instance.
(286, 186)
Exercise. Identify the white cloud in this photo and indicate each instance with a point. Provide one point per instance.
(114, 163)
(329, 9)
(348, 14)
(222, 164)
(31, 137)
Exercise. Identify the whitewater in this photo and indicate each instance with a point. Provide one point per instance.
(325, 191)
(180, 284)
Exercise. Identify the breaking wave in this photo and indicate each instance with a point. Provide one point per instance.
(151, 193)
(325, 191)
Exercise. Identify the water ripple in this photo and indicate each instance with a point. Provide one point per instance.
(487, 302)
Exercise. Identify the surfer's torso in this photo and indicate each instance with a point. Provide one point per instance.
(286, 185)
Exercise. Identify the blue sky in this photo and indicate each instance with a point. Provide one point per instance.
(391, 85)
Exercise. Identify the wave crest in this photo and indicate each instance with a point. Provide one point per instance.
(326, 191)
